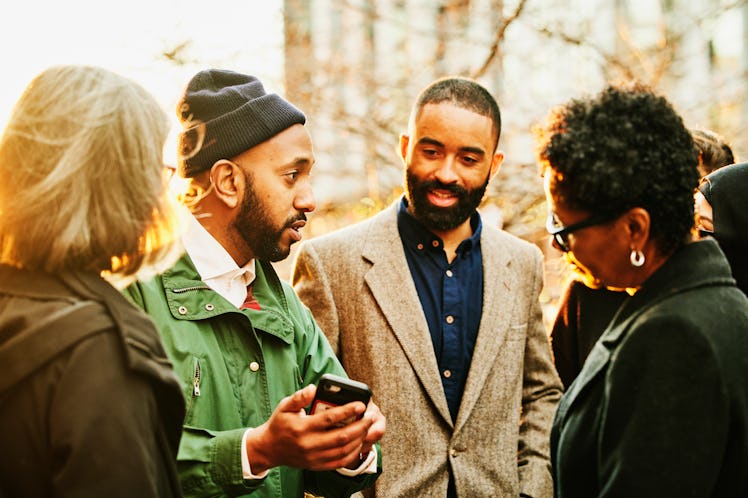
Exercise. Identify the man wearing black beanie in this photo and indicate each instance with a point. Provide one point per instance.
(247, 351)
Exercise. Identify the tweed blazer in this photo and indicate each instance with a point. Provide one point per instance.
(357, 283)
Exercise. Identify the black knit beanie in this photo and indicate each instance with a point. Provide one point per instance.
(224, 113)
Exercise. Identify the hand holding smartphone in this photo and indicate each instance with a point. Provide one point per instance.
(333, 390)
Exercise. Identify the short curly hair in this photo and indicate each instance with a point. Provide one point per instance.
(625, 147)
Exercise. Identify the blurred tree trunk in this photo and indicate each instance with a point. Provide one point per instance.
(402, 60)
(299, 53)
(369, 72)
(491, 68)
(452, 20)
(744, 67)
(338, 69)
(495, 72)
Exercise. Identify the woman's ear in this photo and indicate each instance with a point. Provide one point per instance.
(637, 223)
(227, 178)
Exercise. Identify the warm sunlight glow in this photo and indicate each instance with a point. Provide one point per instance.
(158, 44)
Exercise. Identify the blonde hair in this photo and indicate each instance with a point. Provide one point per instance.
(81, 176)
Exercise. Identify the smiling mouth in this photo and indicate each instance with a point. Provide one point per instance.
(442, 197)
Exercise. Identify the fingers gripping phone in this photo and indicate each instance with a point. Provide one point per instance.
(333, 390)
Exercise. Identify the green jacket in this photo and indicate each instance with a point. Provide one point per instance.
(235, 367)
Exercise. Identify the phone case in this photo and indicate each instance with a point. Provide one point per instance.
(333, 390)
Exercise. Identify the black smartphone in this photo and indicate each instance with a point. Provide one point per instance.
(333, 390)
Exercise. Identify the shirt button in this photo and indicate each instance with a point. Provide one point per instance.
(420, 247)
(447, 374)
(182, 310)
(254, 366)
(450, 319)
(449, 273)
(209, 307)
(453, 452)
(435, 243)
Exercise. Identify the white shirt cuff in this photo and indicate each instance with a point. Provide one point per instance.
(368, 466)
(246, 469)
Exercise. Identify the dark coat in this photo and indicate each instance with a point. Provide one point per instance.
(89, 405)
(660, 408)
(582, 317)
(725, 190)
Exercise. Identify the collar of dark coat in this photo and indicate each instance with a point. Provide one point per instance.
(141, 344)
(191, 299)
(699, 264)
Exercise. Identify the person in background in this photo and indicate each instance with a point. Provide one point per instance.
(660, 407)
(439, 313)
(247, 351)
(714, 151)
(585, 310)
(722, 212)
(90, 404)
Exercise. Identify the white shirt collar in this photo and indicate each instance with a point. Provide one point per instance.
(215, 265)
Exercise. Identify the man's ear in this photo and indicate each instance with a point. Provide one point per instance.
(404, 141)
(228, 182)
(496, 162)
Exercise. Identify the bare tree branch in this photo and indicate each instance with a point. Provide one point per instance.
(177, 54)
(500, 33)
(607, 59)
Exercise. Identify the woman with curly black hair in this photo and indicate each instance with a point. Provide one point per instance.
(660, 408)
(584, 312)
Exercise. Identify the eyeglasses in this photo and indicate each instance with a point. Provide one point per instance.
(560, 233)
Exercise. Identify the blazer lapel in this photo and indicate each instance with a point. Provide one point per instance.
(394, 291)
(495, 319)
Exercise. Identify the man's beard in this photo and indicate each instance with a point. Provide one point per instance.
(442, 218)
(255, 227)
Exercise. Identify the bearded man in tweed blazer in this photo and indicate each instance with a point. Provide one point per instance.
(440, 315)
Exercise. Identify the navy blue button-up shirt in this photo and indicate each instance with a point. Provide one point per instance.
(451, 296)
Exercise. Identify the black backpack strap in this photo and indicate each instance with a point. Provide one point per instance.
(50, 336)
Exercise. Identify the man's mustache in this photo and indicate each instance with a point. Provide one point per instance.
(437, 185)
(291, 221)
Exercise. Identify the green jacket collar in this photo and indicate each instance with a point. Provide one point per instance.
(189, 298)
